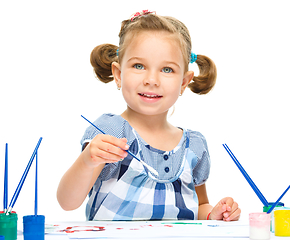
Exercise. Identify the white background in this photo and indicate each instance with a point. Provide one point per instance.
(47, 82)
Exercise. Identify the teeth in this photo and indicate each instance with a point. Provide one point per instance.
(149, 96)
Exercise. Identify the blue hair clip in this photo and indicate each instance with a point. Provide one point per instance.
(117, 52)
(193, 57)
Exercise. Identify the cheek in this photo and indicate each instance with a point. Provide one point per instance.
(128, 87)
(128, 84)
(130, 80)
(174, 96)
(173, 93)
(175, 87)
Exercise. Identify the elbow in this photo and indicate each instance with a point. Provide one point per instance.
(65, 203)
(66, 206)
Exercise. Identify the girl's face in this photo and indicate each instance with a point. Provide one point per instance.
(151, 73)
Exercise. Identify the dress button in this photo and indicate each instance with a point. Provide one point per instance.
(165, 157)
(166, 169)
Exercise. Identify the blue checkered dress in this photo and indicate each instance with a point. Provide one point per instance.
(127, 191)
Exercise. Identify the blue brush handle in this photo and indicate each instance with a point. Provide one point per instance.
(275, 204)
(247, 177)
(5, 195)
(36, 184)
(21, 182)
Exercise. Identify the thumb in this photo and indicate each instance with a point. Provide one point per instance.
(124, 139)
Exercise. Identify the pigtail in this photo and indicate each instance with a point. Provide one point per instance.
(206, 79)
(101, 59)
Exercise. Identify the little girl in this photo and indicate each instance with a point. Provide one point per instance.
(150, 66)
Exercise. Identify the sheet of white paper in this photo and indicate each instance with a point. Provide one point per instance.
(151, 229)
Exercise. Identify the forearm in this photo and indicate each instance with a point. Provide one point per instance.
(81, 176)
(203, 211)
(75, 184)
(204, 207)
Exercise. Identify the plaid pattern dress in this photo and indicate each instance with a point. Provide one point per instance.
(127, 191)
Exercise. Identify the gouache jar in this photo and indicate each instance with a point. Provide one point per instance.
(265, 209)
(2, 237)
(282, 222)
(259, 226)
(8, 225)
(33, 227)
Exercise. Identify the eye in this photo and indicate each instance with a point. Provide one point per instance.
(167, 70)
(138, 66)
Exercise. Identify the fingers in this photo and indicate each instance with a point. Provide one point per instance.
(108, 149)
(233, 214)
(232, 211)
(227, 210)
(220, 208)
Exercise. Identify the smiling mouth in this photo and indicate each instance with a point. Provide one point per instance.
(149, 96)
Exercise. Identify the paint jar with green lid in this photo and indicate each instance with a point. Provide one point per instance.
(8, 225)
(265, 209)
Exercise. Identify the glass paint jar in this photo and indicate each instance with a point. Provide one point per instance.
(259, 226)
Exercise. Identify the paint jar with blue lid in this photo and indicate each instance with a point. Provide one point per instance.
(8, 225)
(265, 209)
(33, 227)
(2, 237)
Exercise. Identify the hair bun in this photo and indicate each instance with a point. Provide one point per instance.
(101, 59)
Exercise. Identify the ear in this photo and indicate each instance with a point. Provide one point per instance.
(188, 76)
(116, 70)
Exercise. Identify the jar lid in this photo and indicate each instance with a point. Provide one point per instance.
(279, 204)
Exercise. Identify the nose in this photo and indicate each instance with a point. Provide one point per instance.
(151, 78)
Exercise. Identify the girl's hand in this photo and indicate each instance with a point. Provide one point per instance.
(227, 210)
(105, 149)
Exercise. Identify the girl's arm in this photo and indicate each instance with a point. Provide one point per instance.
(204, 206)
(227, 209)
(81, 176)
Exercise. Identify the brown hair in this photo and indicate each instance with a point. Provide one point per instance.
(103, 55)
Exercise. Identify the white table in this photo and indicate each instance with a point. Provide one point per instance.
(153, 230)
